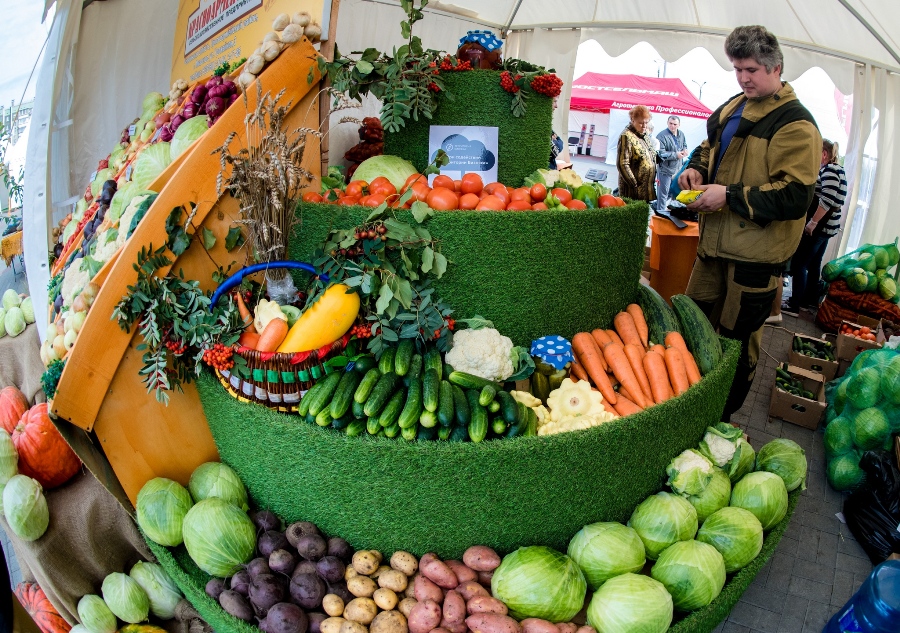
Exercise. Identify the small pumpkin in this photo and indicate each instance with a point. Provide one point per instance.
(43, 453)
(35, 602)
(13, 404)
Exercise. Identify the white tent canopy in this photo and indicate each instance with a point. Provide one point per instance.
(87, 88)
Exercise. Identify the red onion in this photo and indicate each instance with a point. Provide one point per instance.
(165, 133)
(230, 86)
(215, 107)
(201, 109)
(199, 94)
(232, 98)
(190, 110)
(176, 121)
(214, 81)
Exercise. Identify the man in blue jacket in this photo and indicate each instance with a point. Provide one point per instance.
(672, 152)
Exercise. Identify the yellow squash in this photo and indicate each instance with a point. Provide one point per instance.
(326, 321)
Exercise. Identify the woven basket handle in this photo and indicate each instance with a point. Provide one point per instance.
(237, 277)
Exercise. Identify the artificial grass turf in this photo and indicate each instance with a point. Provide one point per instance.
(532, 273)
(442, 497)
(475, 98)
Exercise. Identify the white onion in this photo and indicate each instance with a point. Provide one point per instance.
(254, 64)
(270, 50)
(301, 19)
(245, 79)
(281, 21)
(292, 33)
(271, 36)
(313, 32)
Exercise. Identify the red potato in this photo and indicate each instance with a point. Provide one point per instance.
(463, 573)
(586, 629)
(427, 558)
(484, 577)
(567, 627)
(440, 574)
(471, 589)
(537, 625)
(424, 617)
(440, 629)
(491, 623)
(424, 590)
(481, 558)
(486, 604)
(454, 608)
(458, 627)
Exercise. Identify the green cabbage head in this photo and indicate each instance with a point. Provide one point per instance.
(161, 507)
(786, 459)
(764, 494)
(605, 550)
(95, 615)
(11, 299)
(693, 572)
(14, 321)
(162, 591)
(125, 598)
(215, 479)
(631, 603)
(716, 495)
(742, 462)
(9, 458)
(689, 473)
(663, 519)
(539, 582)
(736, 533)
(25, 507)
(219, 536)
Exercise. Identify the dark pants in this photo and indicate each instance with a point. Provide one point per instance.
(806, 264)
(737, 298)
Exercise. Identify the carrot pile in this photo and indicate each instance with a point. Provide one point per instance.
(629, 373)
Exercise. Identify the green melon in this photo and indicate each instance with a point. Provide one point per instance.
(872, 284)
(838, 437)
(857, 279)
(867, 262)
(870, 428)
(882, 259)
(890, 380)
(887, 288)
(863, 388)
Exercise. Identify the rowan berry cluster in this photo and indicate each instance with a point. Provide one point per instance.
(507, 82)
(219, 357)
(549, 85)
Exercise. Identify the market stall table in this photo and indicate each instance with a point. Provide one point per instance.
(672, 254)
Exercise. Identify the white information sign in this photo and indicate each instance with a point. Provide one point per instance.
(470, 148)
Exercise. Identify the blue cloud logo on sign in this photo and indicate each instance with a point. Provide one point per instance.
(466, 155)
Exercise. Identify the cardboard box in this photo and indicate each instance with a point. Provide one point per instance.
(828, 368)
(796, 410)
(849, 347)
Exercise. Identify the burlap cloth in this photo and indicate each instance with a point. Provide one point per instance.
(20, 364)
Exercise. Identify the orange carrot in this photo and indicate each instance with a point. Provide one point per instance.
(249, 340)
(677, 371)
(588, 355)
(601, 337)
(674, 339)
(578, 372)
(613, 337)
(659, 349)
(246, 317)
(626, 407)
(615, 356)
(658, 375)
(272, 335)
(623, 393)
(624, 325)
(639, 322)
(635, 355)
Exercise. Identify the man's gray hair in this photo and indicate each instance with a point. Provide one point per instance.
(674, 118)
(757, 43)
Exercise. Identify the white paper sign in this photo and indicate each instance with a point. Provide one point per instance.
(472, 149)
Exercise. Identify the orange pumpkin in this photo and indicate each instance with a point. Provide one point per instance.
(43, 453)
(44, 614)
(13, 405)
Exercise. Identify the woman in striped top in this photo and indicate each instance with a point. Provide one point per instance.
(824, 221)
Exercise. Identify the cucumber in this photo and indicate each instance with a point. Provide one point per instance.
(409, 434)
(381, 394)
(343, 395)
(428, 419)
(493, 406)
(508, 407)
(540, 386)
(555, 379)
(498, 426)
(660, 317)
(392, 409)
(520, 426)
(413, 407)
(531, 429)
(461, 412)
(459, 434)
(392, 431)
(310, 419)
(365, 387)
(447, 370)
(364, 363)
(478, 427)
(324, 417)
(372, 425)
(796, 344)
(305, 401)
(342, 423)
(415, 366)
(431, 387)
(433, 361)
(698, 333)
(357, 427)
(357, 410)
(444, 432)
(445, 405)
(403, 357)
(386, 362)
(322, 397)
(426, 433)
(487, 395)
(468, 381)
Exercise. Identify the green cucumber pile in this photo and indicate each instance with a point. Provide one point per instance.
(823, 350)
(786, 382)
(415, 397)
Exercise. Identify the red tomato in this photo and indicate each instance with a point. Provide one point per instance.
(456, 185)
(491, 187)
(539, 206)
(383, 186)
(518, 205)
(538, 191)
(563, 195)
(442, 181)
(864, 330)
(442, 199)
(413, 178)
(355, 188)
(420, 191)
(471, 183)
(468, 201)
(522, 193)
(496, 189)
(312, 196)
(372, 200)
(332, 196)
(348, 201)
(607, 200)
(490, 203)
(576, 205)
(620, 202)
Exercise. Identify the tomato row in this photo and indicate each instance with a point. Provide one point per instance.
(863, 332)
(446, 194)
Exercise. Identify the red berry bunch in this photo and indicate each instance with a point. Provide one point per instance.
(219, 357)
(176, 347)
(361, 331)
(451, 323)
(447, 64)
(548, 84)
(433, 87)
(507, 82)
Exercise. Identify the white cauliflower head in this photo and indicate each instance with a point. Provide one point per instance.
(485, 353)
(720, 450)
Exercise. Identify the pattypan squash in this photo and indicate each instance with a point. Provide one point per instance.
(533, 403)
(575, 423)
(574, 399)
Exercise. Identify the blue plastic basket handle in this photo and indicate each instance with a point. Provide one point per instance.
(237, 277)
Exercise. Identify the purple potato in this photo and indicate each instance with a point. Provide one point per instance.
(265, 520)
(315, 621)
(258, 566)
(265, 591)
(330, 569)
(304, 567)
(285, 617)
(236, 604)
(312, 546)
(340, 548)
(339, 588)
(282, 561)
(271, 541)
(307, 591)
(240, 582)
(215, 587)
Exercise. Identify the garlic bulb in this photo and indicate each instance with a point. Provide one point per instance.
(271, 36)
(301, 19)
(245, 79)
(281, 21)
(254, 64)
(313, 31)
(270, 50)
(292, 33)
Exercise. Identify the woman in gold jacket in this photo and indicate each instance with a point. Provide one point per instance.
(636, 160)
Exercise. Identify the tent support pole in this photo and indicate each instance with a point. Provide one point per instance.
(870, 29)
(509, 21)
(327, 51)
